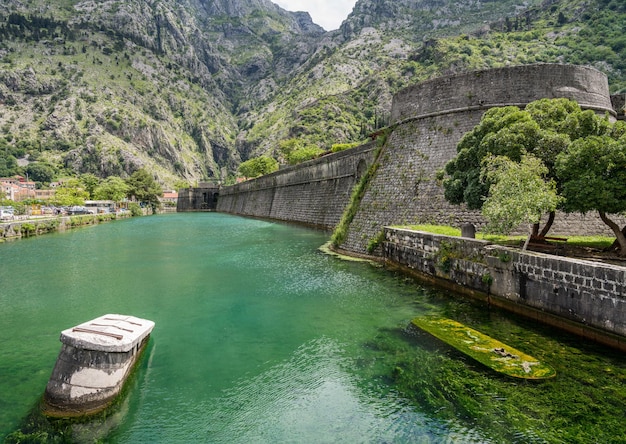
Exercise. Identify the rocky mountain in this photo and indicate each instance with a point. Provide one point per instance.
(190, 88)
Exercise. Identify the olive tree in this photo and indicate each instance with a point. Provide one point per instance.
(519, 193)
(593, 176)
(543, 129)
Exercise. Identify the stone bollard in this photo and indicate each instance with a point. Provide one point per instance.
(468, 230)
(94, 363)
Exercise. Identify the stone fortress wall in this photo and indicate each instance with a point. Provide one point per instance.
(313, 193)
(431, 117)
(429, 120)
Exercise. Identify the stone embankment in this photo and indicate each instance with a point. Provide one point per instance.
(584, 297)
(34, 227)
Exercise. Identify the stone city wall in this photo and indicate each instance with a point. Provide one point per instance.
(314, 193)
(202, 198)
(431, 117)
(584, 297)
(429, 120)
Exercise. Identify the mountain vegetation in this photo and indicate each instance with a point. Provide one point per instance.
(190, 89)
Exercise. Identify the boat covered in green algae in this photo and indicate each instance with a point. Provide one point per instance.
(484, 349)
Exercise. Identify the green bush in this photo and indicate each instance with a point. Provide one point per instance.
(135, 209)
(303, 154)
(27, 229)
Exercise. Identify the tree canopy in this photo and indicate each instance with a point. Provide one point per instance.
(578, 155)
(295, 151)
(112, 188)
(543, 129)
(70, 193)
(519, 192)
(40, 172)
(593, 172)
(143, 187)
(258, 166)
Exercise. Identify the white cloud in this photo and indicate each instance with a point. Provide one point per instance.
(327, 13)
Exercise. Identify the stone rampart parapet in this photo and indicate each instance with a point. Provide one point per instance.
(518, 85)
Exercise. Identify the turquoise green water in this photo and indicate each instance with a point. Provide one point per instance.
(259, 337)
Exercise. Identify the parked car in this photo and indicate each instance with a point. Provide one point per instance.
(7, 213)
(73, 211)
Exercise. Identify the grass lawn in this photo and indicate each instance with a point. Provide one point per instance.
(595, 242)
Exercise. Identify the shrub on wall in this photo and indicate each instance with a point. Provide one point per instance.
(340, 233)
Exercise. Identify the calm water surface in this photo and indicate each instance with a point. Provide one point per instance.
(259, 337)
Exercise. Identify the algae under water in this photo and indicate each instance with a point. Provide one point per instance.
(260, 337)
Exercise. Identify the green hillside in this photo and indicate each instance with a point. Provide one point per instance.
(190, 89)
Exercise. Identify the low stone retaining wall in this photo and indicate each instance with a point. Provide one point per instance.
(35, 227)
(583, 297)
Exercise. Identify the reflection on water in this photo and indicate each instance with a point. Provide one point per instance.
(261, 338)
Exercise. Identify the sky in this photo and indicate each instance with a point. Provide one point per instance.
(327, 13)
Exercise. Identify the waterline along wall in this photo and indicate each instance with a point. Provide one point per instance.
(584, 297)
(314, 193)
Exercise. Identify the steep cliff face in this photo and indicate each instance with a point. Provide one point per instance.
(112, 86)
(427, 18)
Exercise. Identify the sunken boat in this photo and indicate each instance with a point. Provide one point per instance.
(485, 349)
(95, 361)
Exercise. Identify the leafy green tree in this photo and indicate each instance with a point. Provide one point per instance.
(8, 165)
(143, 188)
(40, 172)
(593, 173)
(91, 182)
(295, 151)
(303, 154)
(70, 193)
(519, 193)
(258, 166)
(543, 129)
(181, 184)
(112, 188)
(506, 131)
(286, 147)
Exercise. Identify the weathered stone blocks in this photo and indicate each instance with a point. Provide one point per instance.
(314, 193)
(95, 360)
(588, 293)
